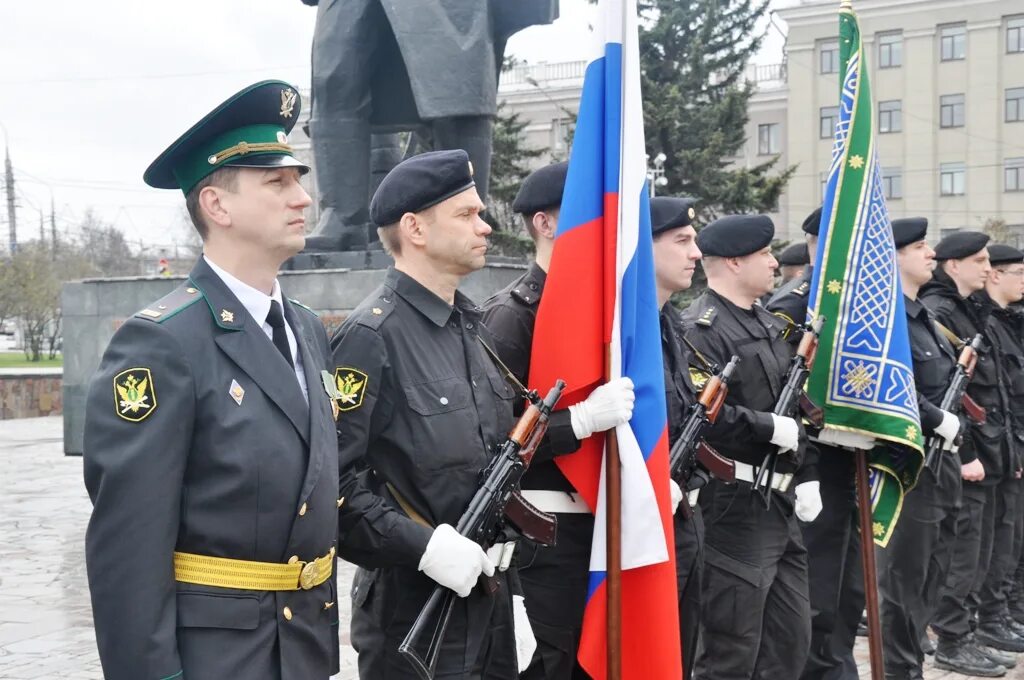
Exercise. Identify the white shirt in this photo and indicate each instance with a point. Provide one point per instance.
(257, 303)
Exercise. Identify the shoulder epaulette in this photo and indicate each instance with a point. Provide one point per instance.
(373, 312)
(802, 289)
(707, 316)
(170, 304)
(526, 291)
(299, 304)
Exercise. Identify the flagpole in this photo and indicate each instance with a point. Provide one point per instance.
(613, 489)
(867, 554)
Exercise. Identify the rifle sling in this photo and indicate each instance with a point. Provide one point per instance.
(408, 509)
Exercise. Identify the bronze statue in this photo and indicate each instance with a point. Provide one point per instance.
(385, 66)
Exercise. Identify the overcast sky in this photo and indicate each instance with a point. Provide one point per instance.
(91, 92)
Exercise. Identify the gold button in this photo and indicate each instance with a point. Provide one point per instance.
(191, 291)
(293, 559)
(302, 510)
(287, 613)
(341, 501)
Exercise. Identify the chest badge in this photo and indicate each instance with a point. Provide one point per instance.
(333, 394)
(134, 396)
(699, 378)
(236, 392)
(351, 386)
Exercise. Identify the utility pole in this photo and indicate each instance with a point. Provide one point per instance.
(11, 215)
(53, 229)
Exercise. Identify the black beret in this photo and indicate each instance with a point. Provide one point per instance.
(959, 245)
(542, 190)
(794, 255)
(812, 223)
(668, 212)
(999, 253)
(736, 235)
(420, 182)
(909, 230)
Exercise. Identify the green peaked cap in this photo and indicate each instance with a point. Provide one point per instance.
(248, 130)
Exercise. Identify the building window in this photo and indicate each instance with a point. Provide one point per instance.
(828, 116)
(892, 183)
(890, 116)
(952, 177)
(1015, 34)
(953, 42)
(890, 50)
(823, 177)
(1013, 174)
(768, 138)
(1014, 104)
(951, 110)
(561, 133)
(828, 56)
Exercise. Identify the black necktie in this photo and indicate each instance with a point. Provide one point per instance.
(275, 317)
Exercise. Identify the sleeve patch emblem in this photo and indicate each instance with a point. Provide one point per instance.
(351, 384)
(699, 378)
(134, 394)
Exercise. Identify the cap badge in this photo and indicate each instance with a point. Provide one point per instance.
(287, 103)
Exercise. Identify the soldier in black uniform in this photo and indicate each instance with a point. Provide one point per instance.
(675, 259)
(210, 453)
(422, 407)
(793, 261)
(1003, 287)
(914, 563)
(756, 615)
(833, 539)
(554, 579)
(963, 269)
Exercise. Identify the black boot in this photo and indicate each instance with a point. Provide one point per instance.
(995, 634)
(341, 148)
(960, 656)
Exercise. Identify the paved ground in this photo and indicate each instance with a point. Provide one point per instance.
(45, 620)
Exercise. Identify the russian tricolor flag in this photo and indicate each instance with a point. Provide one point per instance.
(598, 319)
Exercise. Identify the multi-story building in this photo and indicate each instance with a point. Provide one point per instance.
(947, 79)
(546, 96)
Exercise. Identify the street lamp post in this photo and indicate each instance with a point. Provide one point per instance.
(9, 182)
(656, 172)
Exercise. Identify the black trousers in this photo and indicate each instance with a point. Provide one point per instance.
(480, 642)
(689, 570)
(756, 616)
(993, 596)
(969, 563)
(836, 574)
(554, 582)
(913, 565)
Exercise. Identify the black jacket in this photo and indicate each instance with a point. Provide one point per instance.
(966, 317)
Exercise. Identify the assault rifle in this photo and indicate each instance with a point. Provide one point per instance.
(955, 399)
(690, 448)
(496, 499)
(789, 401)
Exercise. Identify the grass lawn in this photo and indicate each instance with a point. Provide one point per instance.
(18, 360)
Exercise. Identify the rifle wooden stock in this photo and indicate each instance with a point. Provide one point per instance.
(686, 452)
(973, 410)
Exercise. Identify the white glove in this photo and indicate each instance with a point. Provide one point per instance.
(948, 429)
(808, 501)
(676, 494)
(608, 406)
(786, 434)
(526, 642)
(454, 561)
(853, 440)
